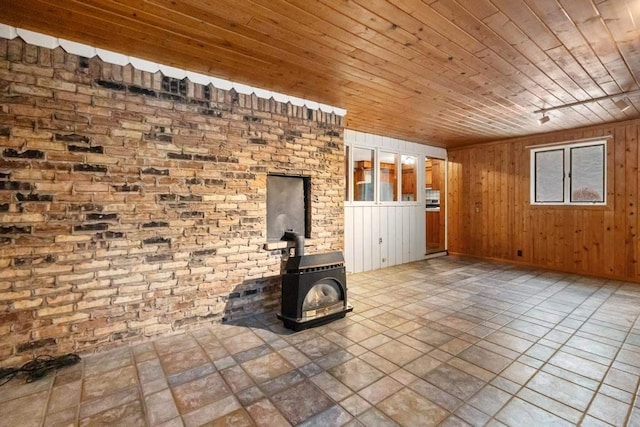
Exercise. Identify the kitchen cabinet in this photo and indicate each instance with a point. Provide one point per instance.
(409, 183)
(433, 230)
(428, 174)
(437, 174)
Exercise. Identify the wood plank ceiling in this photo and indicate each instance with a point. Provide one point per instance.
(443, 72)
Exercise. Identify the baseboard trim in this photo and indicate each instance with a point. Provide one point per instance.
(545, 268)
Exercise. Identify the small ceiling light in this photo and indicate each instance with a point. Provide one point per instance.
(622, 104)
(544, 119)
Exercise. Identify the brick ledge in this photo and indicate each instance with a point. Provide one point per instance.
(283, 244)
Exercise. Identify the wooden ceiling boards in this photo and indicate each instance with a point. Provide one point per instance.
(442, 72)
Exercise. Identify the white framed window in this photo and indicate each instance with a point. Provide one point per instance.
(569, 174)
(388, 173)
(363, 170)
(380, 176)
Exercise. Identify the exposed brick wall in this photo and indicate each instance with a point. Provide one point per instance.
(132, 205)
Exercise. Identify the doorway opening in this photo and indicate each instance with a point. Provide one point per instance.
(435, 203)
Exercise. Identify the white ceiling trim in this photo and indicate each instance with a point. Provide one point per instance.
(401, 146)
(43, 40)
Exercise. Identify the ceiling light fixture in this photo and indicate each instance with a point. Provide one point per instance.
(622, 103)
(544, 119)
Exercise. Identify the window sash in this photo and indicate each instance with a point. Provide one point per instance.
(366, 183)
(350, 179)
(573, 179)
(388, 189)
(539, 176)
(567, 165)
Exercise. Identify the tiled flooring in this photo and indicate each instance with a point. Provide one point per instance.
(441, 342)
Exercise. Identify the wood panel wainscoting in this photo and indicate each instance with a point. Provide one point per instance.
(490, 215)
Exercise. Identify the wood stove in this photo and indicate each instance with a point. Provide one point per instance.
(314, 288)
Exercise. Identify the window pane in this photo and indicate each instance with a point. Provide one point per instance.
(587, 174)
(408, 178)
(549, 176)
(346, 172)
(388, 177)
(363, 179)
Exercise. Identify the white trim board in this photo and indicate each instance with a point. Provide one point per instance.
(393, 144)
(50, 42)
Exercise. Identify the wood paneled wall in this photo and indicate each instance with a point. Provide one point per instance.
(490, 215)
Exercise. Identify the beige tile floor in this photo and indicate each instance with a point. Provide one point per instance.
(447, 342)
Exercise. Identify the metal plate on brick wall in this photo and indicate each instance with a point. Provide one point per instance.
(285, 206)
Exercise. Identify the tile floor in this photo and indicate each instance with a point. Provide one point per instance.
(449, 342)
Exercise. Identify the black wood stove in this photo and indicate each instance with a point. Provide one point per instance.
(314, 288)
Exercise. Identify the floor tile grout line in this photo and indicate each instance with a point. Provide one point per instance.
(513, 395)
(596, 312)
(141, 395)
(464, 401)
(558, 350)
(557, 323)
(356, 393)
(610, 366)
(155, 350)
(257, 384)
(637, 388)
(96, 398)
(82, 374)
(49, 397)
(216, 371)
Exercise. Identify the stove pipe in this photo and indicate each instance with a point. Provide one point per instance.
(298, 242)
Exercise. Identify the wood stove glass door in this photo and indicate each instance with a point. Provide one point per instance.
(323, 297)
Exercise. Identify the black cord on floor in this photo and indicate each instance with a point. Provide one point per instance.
(38, 367)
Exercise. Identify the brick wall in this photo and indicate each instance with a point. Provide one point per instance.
(133, 205)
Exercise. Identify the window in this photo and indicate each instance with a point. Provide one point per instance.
(569, 174)
(376, 175)
(388, 177)
(363, 175)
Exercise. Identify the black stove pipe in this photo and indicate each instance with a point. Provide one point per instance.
(298, 242)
